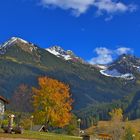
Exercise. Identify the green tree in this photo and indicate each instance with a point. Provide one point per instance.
(71, 128)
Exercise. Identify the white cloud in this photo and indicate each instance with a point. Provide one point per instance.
(113, 7)
(77, 6)
(103, 51)
(124, 50)
(106, 56)
(81, 6)
(101, 59)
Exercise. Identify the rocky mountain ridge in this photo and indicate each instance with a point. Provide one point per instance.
(23, 62)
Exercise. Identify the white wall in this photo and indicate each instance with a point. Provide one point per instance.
(2, 107)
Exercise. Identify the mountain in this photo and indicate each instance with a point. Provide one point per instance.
(66, 55)
(22, 43)
(22, 62)
(126, 66)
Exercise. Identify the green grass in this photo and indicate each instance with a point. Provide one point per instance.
(40, 136)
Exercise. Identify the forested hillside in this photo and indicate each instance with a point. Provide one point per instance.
(23, 63)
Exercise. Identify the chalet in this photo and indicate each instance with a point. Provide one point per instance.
(3, 103)
(105, 137)
(98, 137)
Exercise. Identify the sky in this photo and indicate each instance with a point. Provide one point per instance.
(96, 30)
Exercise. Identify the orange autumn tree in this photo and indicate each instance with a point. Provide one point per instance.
(52, 102)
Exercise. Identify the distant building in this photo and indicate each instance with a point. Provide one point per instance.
(105, 137)
(3, 103)
(98, 137)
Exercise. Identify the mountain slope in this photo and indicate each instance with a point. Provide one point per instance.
(22, 62)
(66, 55)
(126, 67)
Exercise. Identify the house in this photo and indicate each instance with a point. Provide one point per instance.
(98, 137)
(88, 137)
(105, 137)
(3, 103)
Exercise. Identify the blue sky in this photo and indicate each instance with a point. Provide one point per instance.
(96, 30)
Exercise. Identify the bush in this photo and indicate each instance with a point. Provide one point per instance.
(4, 122)
(131, 134)
(25, 123)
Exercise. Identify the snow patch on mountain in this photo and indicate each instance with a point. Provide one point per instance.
(14, 40)
(61, 53)
(102, 67)
(137, 67)
(116, 74)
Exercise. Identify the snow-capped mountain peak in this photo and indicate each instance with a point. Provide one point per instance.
(56, 50)
(61, 53)
(25, 45)
(12, 41)
(19, 39)
(126, 66)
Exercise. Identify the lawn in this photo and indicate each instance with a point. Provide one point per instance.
(40, 136)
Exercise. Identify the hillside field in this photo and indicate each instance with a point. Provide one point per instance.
(105, 126)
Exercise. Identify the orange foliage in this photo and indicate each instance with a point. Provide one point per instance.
(53, 99)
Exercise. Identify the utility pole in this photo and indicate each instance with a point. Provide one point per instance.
(31, 127)
(79, 126)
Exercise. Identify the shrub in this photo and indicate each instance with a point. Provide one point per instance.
(25, 123)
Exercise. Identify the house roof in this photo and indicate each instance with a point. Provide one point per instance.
(4, 100)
